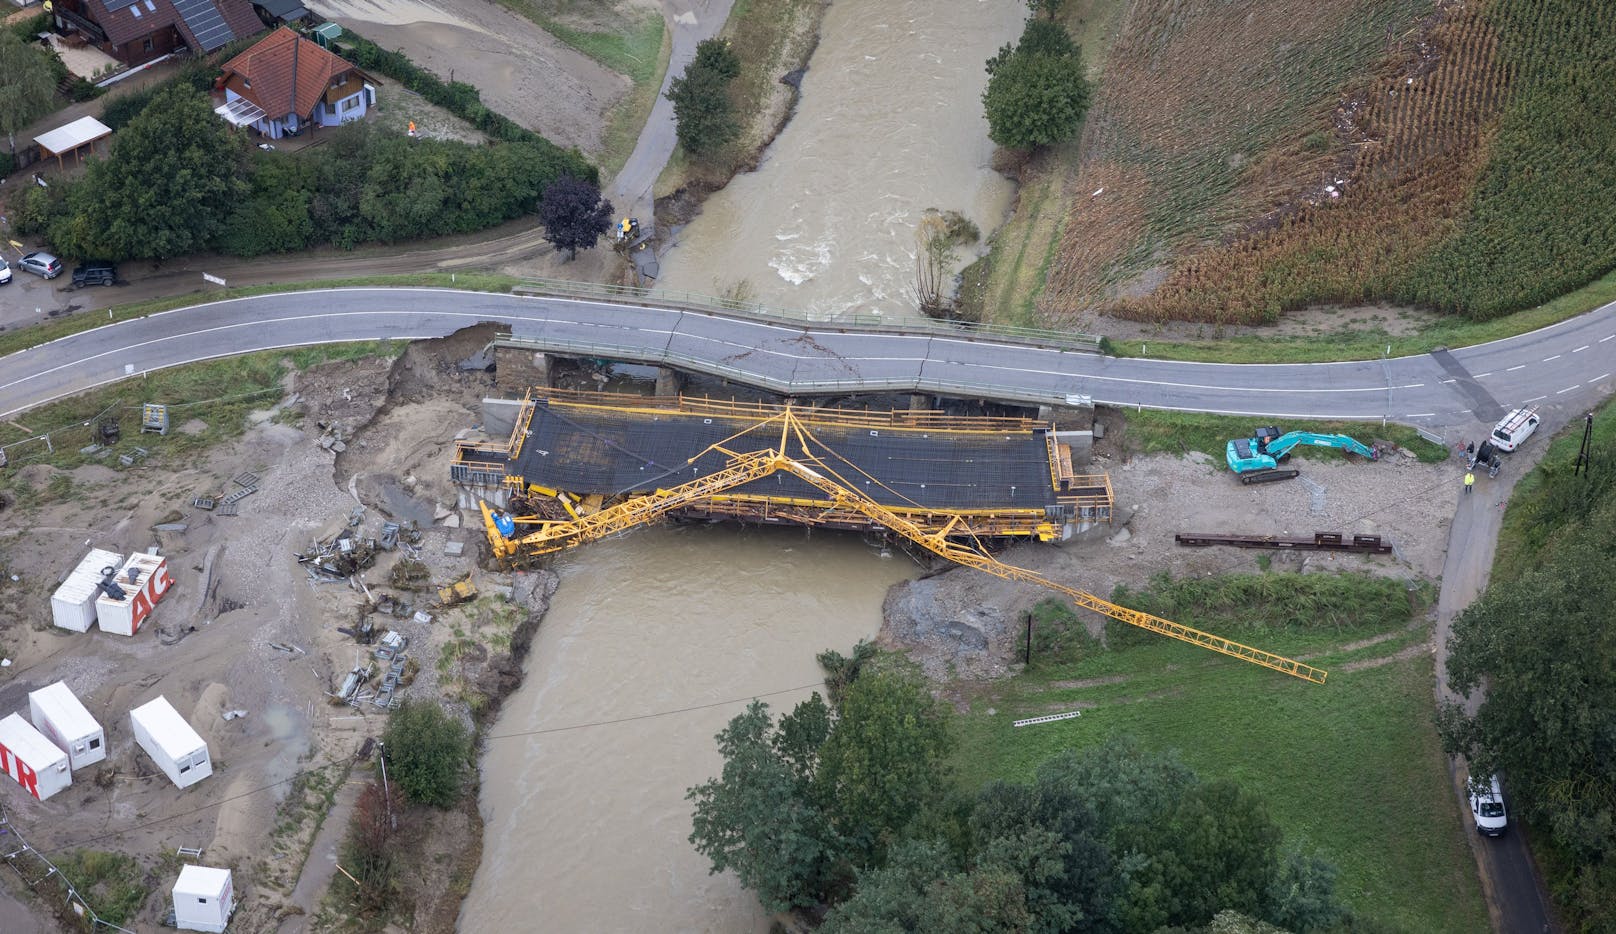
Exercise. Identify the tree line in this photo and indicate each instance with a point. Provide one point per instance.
(179, 180)
(1541, 640)
(845, 812)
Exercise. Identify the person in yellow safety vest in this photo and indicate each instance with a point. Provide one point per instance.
(1470, 481)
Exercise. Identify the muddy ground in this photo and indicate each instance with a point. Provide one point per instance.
(522, 71)
(254, 632)
(964, 624)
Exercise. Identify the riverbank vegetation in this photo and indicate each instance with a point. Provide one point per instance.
(1431, 154)
(772, 41)
(1178, 433)
(884, 810)
(1540, 639)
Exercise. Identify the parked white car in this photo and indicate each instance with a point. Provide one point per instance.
(1487, 806)
(1513, 429)
(5, 272)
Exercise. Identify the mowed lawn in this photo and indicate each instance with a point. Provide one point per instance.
(1352, 769)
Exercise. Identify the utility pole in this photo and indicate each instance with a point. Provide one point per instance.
(1029, 638)
(387, 795)
(1585, 456)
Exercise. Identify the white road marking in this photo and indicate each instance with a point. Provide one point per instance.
(1420, 415)
(1603, 339)
(1561, 392)
(1480, 375)
(1599, 379)
(1536, 398)
(1514, 368)
(1547, 359)
(1580, 349)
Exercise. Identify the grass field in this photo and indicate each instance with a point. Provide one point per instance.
(1177, 433)
(1540, 506)
(1352, 768)
(220, 393)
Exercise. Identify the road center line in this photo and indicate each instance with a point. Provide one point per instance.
(1580, 349)
(1561, 392)
(1603, 339)
(1547, 359)
(1599, 379)
(1514, 368)
(1536, 398)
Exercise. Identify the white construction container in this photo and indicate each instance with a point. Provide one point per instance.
(203, 899)
(34, 761)
(143, 579)
(170, 741)
(73, 604)
(57, 712)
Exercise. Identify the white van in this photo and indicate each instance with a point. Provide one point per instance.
(1513, 429)
(1487, 806)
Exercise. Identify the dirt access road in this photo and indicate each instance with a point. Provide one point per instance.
(1517, 899)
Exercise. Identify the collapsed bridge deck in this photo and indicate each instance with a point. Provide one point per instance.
(1003, 476)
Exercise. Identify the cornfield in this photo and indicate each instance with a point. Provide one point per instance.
(1417, 137)
(1472, 173)
(1179, 149)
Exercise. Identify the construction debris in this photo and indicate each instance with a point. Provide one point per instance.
(338, 557)
(205, 503)
(233, 714)
(410, 574)
(1321, 541)
(459, 592)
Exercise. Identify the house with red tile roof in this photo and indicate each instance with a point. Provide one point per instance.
(137, 31)
(287, 83)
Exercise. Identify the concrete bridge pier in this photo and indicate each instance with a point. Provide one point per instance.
(669, 382)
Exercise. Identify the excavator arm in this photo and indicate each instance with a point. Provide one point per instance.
(1282, 445)
(744, 468)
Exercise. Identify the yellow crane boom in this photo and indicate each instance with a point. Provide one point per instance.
(746, 467)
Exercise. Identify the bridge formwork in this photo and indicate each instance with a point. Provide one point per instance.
(571, 453)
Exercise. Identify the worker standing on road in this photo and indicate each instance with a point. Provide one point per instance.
(1470, 481)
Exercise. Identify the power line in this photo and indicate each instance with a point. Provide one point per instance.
(650, 716)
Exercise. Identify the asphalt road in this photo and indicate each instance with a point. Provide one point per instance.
(1564, 364)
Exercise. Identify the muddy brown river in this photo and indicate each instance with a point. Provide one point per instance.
(890, 123)
(653, 642)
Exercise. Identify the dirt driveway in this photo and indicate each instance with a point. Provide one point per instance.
(521, 70)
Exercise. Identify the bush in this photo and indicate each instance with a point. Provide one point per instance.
(1232, 602)
(427, 753)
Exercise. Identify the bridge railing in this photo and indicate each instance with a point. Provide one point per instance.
(846, 321)
(671, 358)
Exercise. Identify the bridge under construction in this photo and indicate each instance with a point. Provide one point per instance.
(571, 454)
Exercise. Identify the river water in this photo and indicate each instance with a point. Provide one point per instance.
(653, 642)
(890, 123)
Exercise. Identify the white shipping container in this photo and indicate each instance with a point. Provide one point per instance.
(73, 604)
(144, 579)
(34, 761)
(203, 899)
(58, 714)
(176, 748)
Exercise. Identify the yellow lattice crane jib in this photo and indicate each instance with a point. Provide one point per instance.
(743, 468)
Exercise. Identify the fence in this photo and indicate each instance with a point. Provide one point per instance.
(35, 870)
(849, 321)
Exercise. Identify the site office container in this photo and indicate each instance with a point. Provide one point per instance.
(176, 748)
(34, 761)
(73, 603)
(144, 579)
(58, 714)
(203, 899)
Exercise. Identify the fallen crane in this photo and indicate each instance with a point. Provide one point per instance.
(511, 544)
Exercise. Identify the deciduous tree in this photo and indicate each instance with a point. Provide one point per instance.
(27, 84)
(574, 215)
(702, 108)
(427, 753)
(167, 189)
(1037, 92)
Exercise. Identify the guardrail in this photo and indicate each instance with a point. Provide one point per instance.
(847, 321)
(786, 387)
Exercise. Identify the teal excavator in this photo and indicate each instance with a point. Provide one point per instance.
(1256, 459)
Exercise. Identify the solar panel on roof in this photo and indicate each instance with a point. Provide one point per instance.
(116, 5)
(205, 22)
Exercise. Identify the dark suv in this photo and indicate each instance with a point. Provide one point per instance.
(95, 274)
